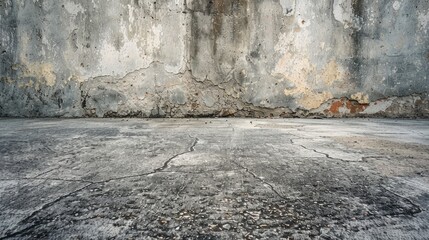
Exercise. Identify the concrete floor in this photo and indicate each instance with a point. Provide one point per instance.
(214, 179)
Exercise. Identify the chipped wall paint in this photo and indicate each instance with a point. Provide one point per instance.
(361, 98)
(185, 58)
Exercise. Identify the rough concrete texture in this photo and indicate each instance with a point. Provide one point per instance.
(214, 179)
(179, 58)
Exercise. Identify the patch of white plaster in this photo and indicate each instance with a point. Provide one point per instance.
(131, 15)
(343, 12)
(157, 36)
(423, 19)
(379, 106)
(397, 5)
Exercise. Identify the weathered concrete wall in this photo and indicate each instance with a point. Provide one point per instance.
(181, 58)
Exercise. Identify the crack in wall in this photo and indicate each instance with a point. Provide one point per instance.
(227, 41)
(231, 105)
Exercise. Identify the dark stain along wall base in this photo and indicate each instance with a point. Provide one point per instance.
(196, 58)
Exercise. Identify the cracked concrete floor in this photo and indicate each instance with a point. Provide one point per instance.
(214, 179)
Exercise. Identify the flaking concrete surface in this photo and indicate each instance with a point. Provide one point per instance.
(214, 179)
(194, 58)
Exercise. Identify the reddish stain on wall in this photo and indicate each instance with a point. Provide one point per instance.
(352, 106)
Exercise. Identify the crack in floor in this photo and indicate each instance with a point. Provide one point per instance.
(160, 169)
(44, 207)
(412, 203)
(322, 153)
(419, 209)
(46, 172)
(203, 172)
(260, 180)
(52, 203)
(271, 187)
(46, 179)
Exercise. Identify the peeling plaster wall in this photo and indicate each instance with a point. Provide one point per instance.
(178, 58)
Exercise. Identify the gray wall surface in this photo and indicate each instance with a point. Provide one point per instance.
(192, 58)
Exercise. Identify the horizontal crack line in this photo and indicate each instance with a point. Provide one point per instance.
(202, 172)
(45, 179)
(316, 151)
(46, 172)
(160, 169)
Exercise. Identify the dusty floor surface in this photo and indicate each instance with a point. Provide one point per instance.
(214, 179)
